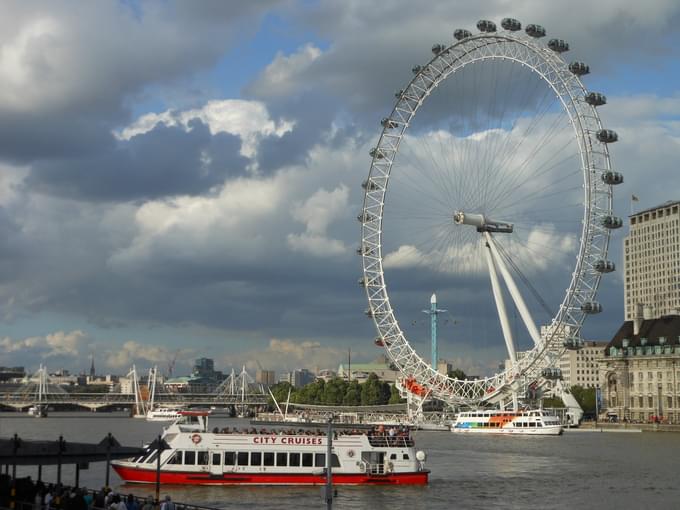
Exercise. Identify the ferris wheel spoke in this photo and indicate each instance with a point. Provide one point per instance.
(510, 190)
(523, 170)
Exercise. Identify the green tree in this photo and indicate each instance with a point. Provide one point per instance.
(280, 392)
(553, 402)
(395, 398)
(353, 394)
(457, 374)
(585, 398)
(334, 392)
(312, 393)
(371, 391)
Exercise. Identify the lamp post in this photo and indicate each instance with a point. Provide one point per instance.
(328, 496)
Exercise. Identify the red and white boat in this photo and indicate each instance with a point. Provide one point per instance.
(197, 456)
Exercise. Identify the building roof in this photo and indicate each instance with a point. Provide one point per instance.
(652, 330)
(656, 207)
(365, 367)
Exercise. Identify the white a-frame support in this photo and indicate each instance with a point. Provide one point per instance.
(514, 293)
(500, 305)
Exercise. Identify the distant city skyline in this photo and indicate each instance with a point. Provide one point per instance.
(181, 179)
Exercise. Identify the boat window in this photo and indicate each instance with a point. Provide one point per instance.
(320, 460)
(242, 458)
(393, 456)
(152, 457)
(202, 458)
(294, 459)
(281, 459)
(229, 458)
(255, 458)
(217, 459)
(308, 459)
(176, 458)
(335, 462)
(539, 424)
(406, 457)
(268, 458)
(189, 457)
(532, 424)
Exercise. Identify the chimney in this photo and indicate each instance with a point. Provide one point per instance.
(637, 319)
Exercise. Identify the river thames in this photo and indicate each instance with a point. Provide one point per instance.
(580, 469)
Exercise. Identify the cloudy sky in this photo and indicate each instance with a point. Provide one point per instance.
(182, 179)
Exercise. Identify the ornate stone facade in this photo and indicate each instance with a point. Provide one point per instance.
(641, 371)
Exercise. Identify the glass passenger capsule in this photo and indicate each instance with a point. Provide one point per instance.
(511, 24)
(591, 307)
(376, 153)
(551, 373)
(461, 33)
(369, 185)
(484, 25)
(612, 178)
(365, 217)
(604, 266)
(438, 48)
(416, 69)
(535, 30)
(612, 222)
(595, 99)
(389, 123)
(558, 45)
(573, 344)
(607, 135)
(579, 68)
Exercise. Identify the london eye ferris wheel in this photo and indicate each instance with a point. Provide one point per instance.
(493, 166)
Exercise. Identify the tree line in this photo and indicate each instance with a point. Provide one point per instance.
(339, 391)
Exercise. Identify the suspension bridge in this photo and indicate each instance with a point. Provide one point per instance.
(238, 393)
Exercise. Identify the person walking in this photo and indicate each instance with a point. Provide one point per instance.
(148, 504)
(167, 504)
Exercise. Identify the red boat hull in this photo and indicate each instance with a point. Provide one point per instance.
(136, 475)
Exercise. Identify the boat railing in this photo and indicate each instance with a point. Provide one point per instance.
(375, 469)
(391, 441)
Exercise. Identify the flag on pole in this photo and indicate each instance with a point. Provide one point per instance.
(634, 198)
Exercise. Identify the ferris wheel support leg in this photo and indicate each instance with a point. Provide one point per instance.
(514, 292)
(500, 305)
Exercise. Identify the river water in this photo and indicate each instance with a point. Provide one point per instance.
(580, 469)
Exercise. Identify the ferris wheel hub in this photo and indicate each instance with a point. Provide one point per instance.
(482, 223)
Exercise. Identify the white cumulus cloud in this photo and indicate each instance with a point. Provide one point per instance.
(248, 120)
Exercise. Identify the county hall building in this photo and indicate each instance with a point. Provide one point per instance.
(640, 369)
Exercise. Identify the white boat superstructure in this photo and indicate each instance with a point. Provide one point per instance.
(528, 422)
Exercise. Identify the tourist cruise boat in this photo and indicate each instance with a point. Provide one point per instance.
(531, 422)
(163, 414)
(198, 456)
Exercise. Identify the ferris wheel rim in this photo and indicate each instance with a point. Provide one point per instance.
(427, 79)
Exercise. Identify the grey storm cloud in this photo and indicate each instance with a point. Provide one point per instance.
(172, 227)
(168, 160)
(372, 51)
(71, 71)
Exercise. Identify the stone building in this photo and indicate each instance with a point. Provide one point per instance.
(581, 367)
(641, 371)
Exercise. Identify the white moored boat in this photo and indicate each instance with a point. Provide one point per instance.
(163, 414)
(532, 422)
(198, 456)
